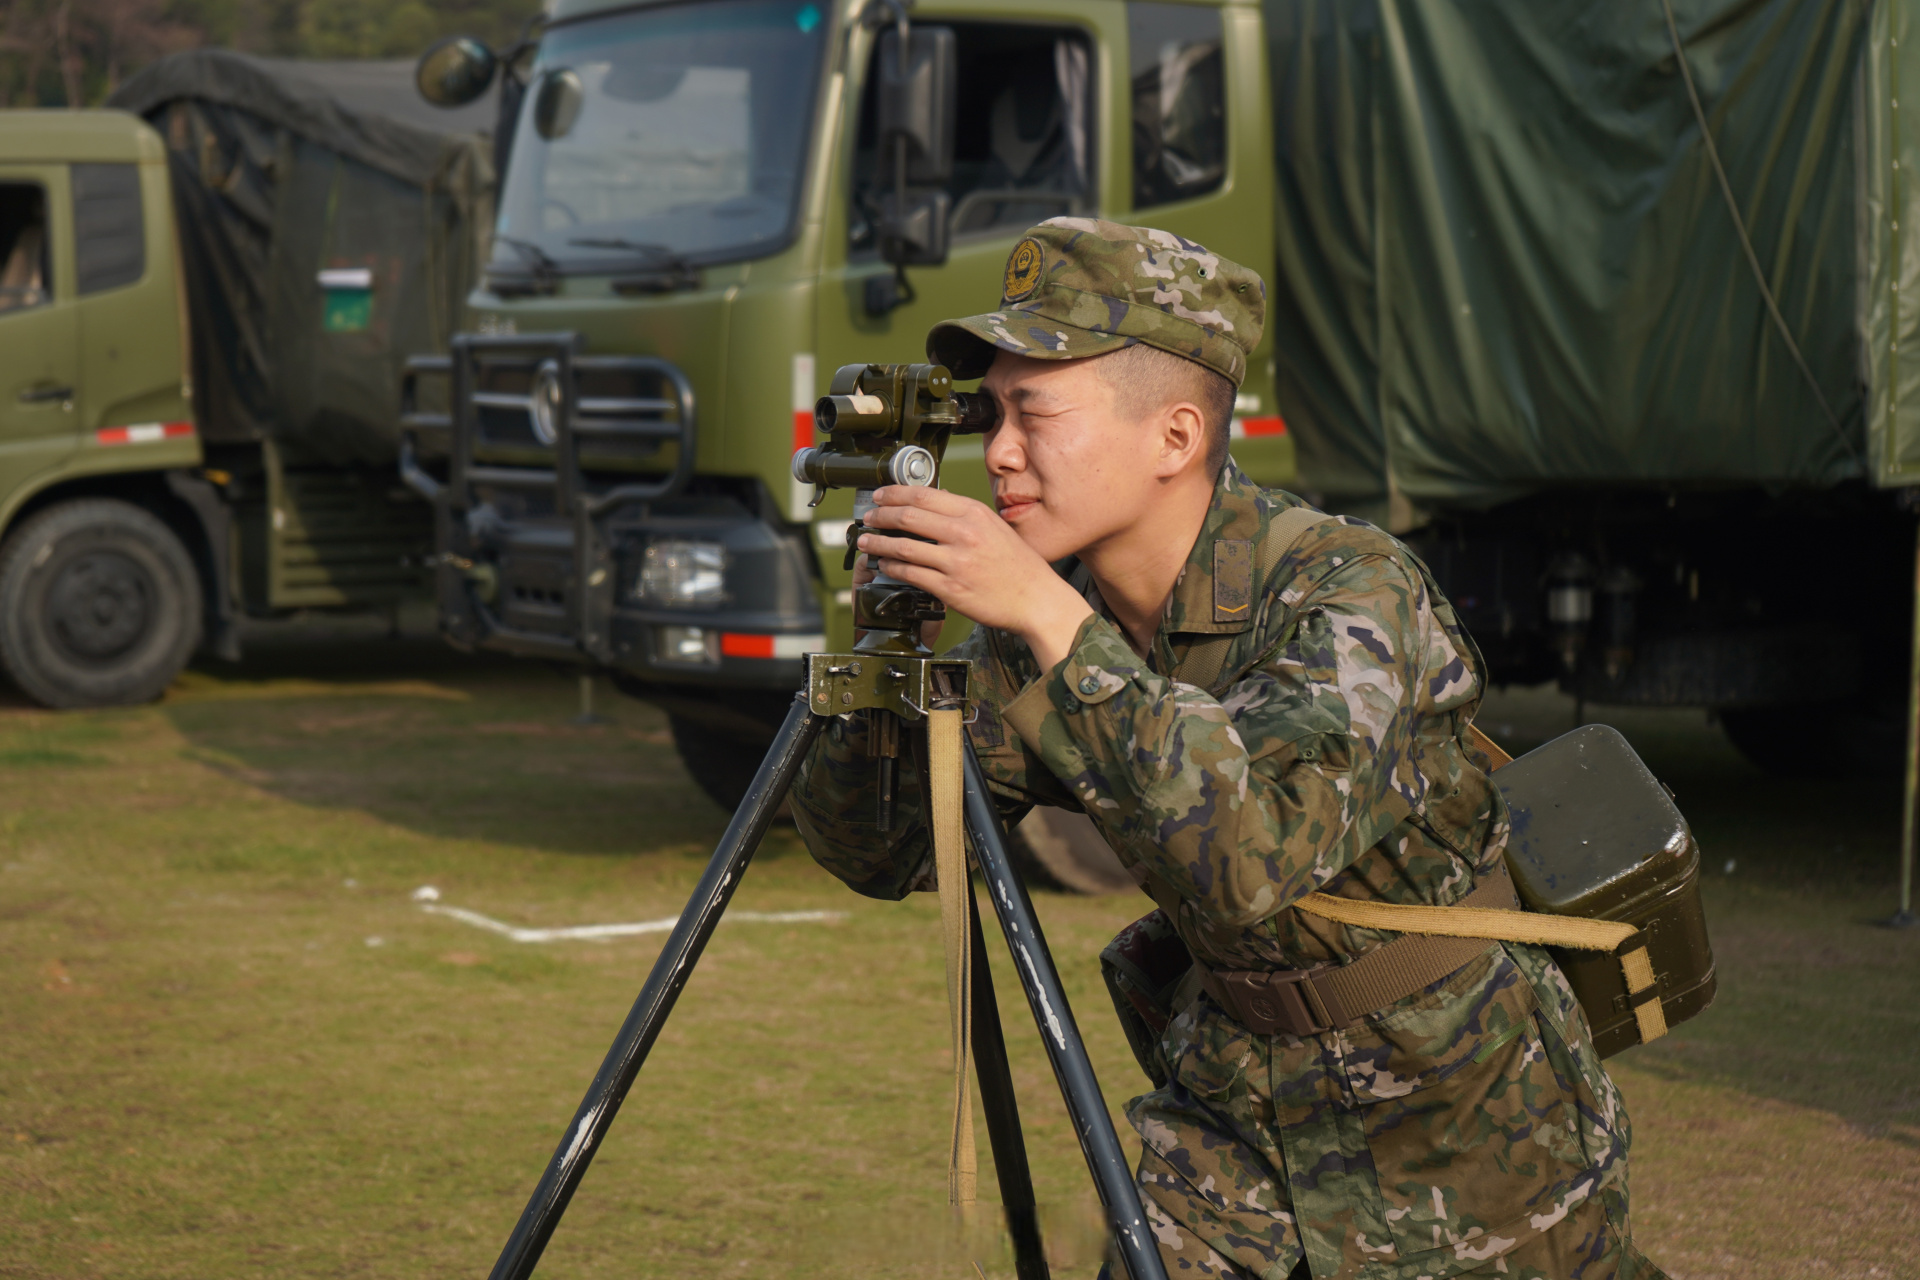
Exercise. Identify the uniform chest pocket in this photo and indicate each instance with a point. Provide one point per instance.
(1471, 1117)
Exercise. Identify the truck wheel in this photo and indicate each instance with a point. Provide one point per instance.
(99, 605)
(722, 763)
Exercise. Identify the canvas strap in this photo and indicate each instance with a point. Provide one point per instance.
(950, 862)
(1438, 941)
(1509, 925)
(1488, 747)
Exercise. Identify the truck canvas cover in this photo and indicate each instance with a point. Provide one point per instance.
(283, 170)
(1507, 262)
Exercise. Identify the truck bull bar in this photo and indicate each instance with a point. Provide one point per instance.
(563, 421)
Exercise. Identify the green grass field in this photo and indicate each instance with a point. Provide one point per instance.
(233, 1045)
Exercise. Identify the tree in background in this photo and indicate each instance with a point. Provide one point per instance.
(368, 28)
(77, 52)
(72, 50)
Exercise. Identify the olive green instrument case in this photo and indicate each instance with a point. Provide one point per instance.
(1596, 835)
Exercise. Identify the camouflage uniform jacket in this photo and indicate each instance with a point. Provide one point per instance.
(1450, 1132)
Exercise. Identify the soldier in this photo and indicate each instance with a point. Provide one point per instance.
(1249, 716)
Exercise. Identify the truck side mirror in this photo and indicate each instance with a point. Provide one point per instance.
(556, 102)
(454, 71)
(915, 101)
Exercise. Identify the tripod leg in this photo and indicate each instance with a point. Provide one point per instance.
(663, 987)
(1003, 1114)
(1065, 1049)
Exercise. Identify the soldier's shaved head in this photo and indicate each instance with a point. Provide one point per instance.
(1146, 380)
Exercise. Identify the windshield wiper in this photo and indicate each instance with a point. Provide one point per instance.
(662, 269)
(658, 252)
(546, 271)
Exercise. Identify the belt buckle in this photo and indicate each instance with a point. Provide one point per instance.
(1285, 999)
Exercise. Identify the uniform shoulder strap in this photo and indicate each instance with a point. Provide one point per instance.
(1207, 657)
(1288, 528)
(1496, 754)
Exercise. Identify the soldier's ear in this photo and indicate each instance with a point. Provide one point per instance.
(1183, 439)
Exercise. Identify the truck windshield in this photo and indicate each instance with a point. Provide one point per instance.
(662, 134)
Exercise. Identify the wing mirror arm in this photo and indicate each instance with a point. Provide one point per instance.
(459, 69)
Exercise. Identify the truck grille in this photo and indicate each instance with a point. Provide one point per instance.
(533, 412)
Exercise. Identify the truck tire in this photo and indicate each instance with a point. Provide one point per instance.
(99, 605)
(722, 763)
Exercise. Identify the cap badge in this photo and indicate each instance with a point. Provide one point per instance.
(1024, 269)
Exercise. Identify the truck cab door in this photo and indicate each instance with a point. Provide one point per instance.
(1141, 111)
(128, 303)
(39, 324)
(1031, 142)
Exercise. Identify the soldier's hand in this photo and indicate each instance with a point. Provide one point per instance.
(863, 573)
(976, 564)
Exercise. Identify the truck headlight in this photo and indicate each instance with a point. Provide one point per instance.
(681, 573)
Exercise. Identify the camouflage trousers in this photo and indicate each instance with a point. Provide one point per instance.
(1469, 1132)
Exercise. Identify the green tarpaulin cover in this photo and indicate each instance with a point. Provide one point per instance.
(284, 170)
(1506, 262)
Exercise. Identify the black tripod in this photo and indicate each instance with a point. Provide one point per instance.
(1032, 961)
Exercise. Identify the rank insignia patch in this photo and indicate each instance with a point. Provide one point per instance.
(1232, 579)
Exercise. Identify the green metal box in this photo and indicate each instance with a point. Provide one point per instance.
(1596, 835)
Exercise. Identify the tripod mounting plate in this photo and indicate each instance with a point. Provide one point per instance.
(907, 686)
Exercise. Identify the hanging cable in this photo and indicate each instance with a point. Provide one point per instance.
(1740, 227)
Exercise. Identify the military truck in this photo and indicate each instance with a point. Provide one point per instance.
(705, 210)
(1598, 305)
(203, 313)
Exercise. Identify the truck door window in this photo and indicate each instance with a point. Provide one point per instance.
(24, 278)
(1022, 140)
(109, 236)
(1179, 102)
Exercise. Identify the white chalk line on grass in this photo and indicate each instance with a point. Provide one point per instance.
(592, 931)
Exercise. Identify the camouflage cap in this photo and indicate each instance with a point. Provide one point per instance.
(1083, 286)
